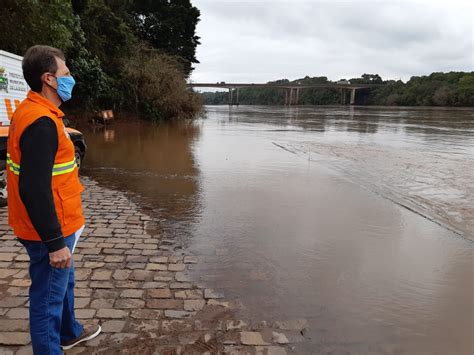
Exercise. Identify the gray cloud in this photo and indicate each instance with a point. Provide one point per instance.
(258, 41)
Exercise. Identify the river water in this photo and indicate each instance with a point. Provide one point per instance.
(359, 220)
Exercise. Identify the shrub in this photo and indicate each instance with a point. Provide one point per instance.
(158, 88)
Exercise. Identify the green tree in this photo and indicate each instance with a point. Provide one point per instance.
(167, 25)
(157, 88)
(107, 35)
(465, 90)
(102, 43)
(28, 22)
(443, 96)
(87, 70)
(112, 41)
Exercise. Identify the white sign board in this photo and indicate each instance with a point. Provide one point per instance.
(13, 87)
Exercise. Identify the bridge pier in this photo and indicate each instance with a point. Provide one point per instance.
(231, 97)
(344, 96)
(292, 96)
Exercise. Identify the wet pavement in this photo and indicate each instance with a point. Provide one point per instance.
(136, 284)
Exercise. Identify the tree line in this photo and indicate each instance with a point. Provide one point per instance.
(126, 55)
(437, 89)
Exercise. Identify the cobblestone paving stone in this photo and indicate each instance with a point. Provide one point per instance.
(137, 288)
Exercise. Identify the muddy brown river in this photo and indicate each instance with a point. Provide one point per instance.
(359, 220)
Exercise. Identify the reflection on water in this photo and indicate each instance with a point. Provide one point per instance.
(155, 162)
(420, 158)
(281, 205)
(109, 135)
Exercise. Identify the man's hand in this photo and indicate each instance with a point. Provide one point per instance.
(60, 258)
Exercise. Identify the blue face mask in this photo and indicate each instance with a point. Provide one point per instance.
(65, 86)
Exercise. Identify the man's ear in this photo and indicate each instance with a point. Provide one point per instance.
(48, 79)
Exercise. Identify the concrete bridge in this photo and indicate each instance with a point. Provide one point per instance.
(292, 91)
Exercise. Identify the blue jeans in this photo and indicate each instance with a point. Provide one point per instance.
(52, 319)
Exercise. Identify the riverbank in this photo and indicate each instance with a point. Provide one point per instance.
(452, 89)
(132, 280)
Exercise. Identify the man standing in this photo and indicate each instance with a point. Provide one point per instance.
(44, 201)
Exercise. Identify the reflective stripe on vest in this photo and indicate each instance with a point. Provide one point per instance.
(58, 169)
(15, 168)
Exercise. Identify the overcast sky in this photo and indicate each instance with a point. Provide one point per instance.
(263, 40)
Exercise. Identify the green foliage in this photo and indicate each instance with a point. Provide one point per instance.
(107, 35)
(465, 92)
(437, 89)
(367, 79)
(102, 41)
(168, 26)
(157, 87)
(87, 72)
(28, 22)
(112, 42)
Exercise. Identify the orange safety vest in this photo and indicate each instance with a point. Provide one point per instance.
(66, 186)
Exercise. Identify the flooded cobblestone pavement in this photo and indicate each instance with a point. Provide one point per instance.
(352, 225)
(136, 285)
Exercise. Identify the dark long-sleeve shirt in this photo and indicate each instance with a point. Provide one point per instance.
(39, 145)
